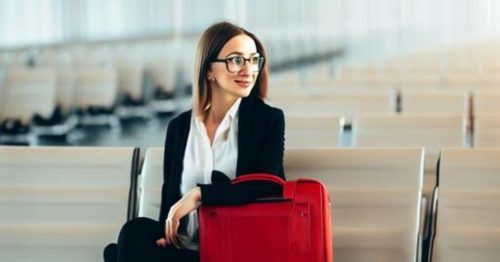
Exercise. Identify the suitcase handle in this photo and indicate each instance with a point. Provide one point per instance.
(288, 186)
(259, 177)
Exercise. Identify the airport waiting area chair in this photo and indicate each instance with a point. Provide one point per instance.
(467, 207)
(434, 102)
(375, 196)
(409, 130)
(150, 183)
(345, 103)
(96, 92)
(313, 131)
(486, 131)
(64, 203)
(25, 92)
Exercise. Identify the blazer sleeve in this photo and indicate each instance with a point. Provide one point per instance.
(268, 160)
(167, 167)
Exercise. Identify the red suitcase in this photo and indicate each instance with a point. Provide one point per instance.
(292, 229)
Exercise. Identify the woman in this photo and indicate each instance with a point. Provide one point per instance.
(230, 132)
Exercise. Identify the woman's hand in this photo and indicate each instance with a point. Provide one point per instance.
(184, 206)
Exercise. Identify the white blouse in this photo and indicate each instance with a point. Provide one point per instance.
(201, 158)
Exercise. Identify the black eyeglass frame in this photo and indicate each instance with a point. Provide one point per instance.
(260, 63)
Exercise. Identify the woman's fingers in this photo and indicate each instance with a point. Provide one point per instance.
(180, 209)
(175, 237)
(167, 231)
(161, 242)
(173, 226)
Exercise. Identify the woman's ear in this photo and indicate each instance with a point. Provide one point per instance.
(210, 76)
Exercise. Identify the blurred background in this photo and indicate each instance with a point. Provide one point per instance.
(93, 72)
(350, 75)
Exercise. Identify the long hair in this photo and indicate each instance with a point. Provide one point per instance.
(209, 46)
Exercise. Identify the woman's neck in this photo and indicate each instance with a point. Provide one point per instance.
(219, 106)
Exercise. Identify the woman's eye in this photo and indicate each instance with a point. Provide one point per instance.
(254, 60)
(237, 60)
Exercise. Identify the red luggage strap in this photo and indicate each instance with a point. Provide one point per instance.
(288, 186)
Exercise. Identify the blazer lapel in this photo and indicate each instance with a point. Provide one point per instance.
(246, 133)
(181, 148)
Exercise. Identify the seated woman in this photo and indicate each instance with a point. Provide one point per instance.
(230, 132)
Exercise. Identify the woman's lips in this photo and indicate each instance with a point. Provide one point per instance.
(243, 83)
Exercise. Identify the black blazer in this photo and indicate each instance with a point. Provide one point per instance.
(261, 138)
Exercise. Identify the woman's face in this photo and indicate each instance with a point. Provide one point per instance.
(236, 77)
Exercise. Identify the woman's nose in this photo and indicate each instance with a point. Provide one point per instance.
(246, 69)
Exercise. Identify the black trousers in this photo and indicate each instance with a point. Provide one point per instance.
(137, 242)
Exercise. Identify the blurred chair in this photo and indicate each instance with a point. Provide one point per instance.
(161, 71)
(486, 118)
(486, 101)
(434, 102)
(467, 221)
(64, 203)
(65, 89)
(461, 80)
(489, 80)
(420, 77)
(63, 119)
(431, 132)
(313, 131)
(486, 130)
(376, 199)
(130, 72)
(25, 92)
(346, 103)
(96, 93)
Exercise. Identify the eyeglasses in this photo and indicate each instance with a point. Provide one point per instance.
(234, 64)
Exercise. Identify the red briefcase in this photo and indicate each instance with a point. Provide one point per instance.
(294, 228)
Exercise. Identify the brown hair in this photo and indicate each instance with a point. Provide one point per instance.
(209, 46)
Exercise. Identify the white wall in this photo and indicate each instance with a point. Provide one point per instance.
(390, 24)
